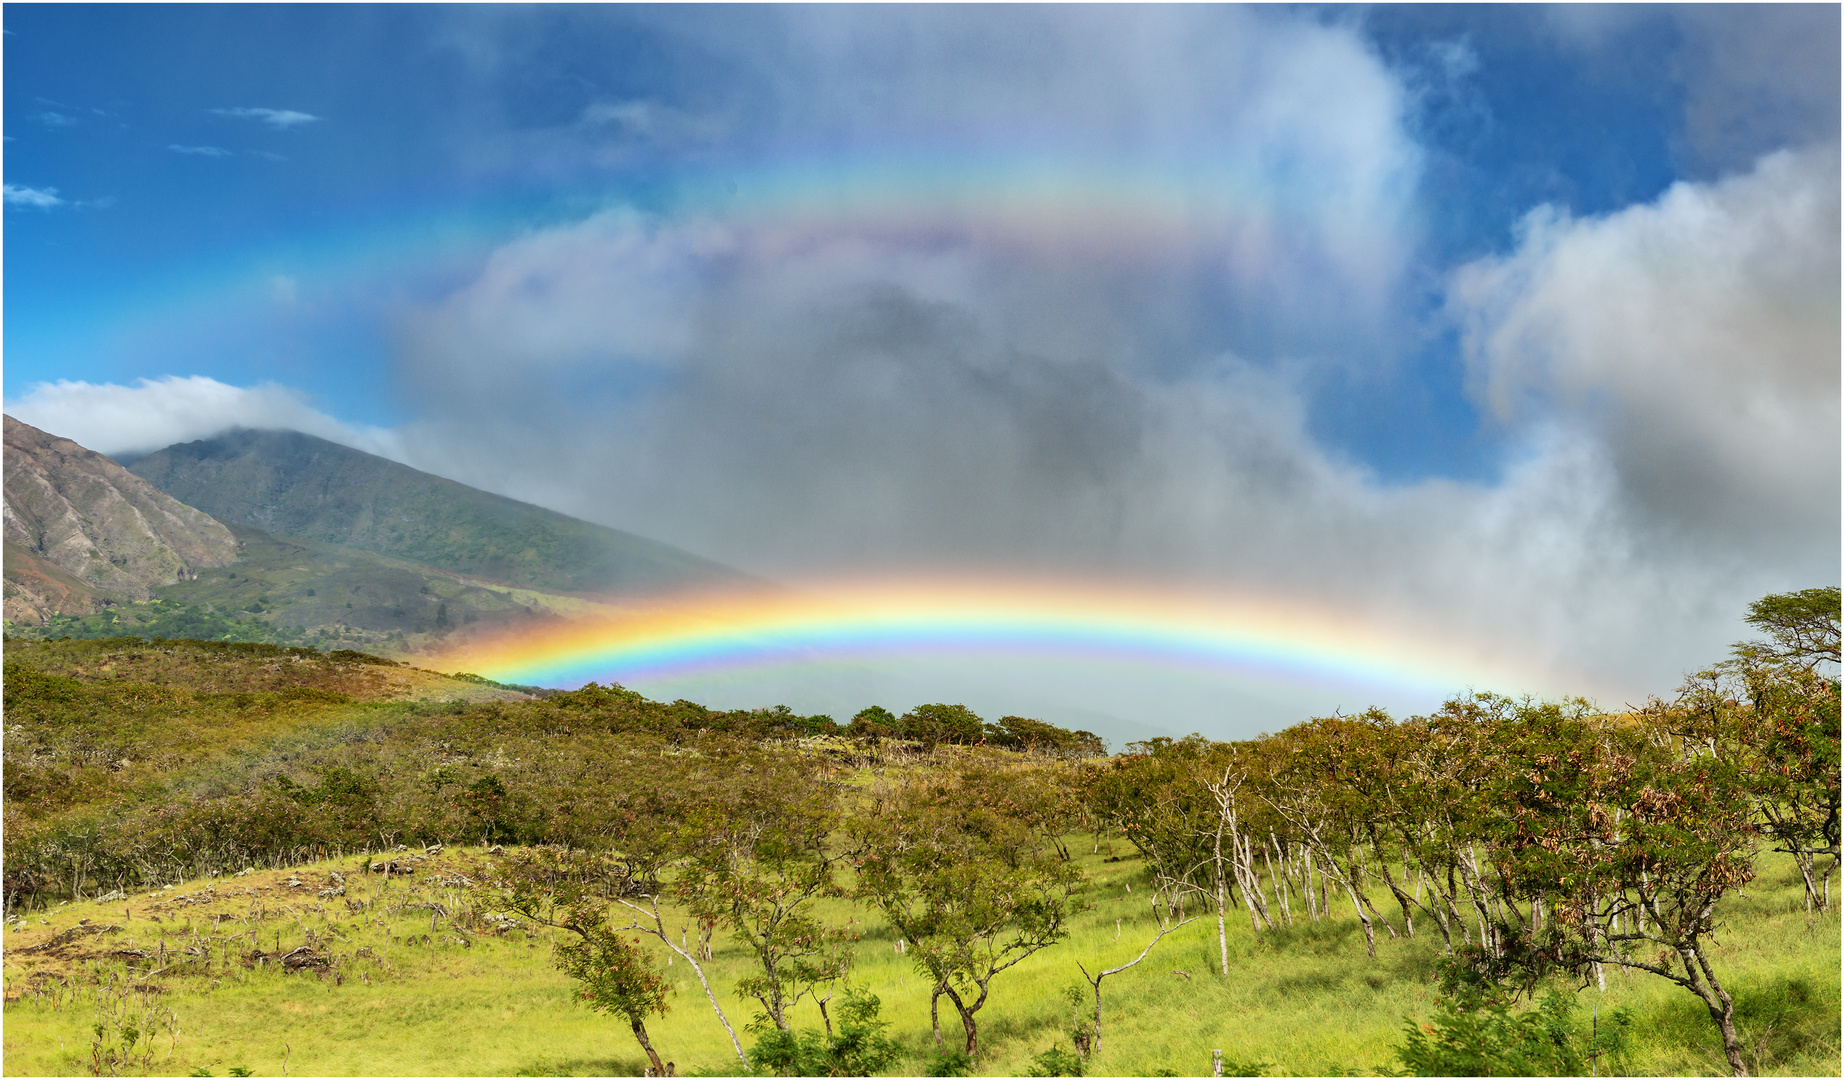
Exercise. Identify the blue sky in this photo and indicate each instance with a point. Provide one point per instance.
(128, 114)
(1291, 296)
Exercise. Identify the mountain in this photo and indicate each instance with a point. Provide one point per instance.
(81, 531)
(289, 484)
(307, 592)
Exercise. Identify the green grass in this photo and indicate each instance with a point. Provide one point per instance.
(1304, 1000)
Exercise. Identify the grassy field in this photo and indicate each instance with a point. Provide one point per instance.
(422, 990)
(111, 741)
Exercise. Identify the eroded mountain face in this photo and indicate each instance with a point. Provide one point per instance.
(81, 530)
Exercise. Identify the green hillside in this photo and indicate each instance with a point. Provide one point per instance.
(194, 833)
(291, 591)
(296, 485)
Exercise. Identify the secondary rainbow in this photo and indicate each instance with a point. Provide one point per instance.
(1138, 627)
(1009, 197)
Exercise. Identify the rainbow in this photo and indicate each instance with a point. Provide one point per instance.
(1011, 198)
(822, 627)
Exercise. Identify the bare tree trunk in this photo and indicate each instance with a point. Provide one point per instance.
(658, 930)
(1222, 933)
(640, 1033)
(1362, 875)
(1370, 932)
(1280, 892)
(1402, 898)
(1243, 860)
(1306, 872)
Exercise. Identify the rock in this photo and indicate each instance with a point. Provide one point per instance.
(82, 531)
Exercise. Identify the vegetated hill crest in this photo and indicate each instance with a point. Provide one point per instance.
(82, 531)
(291, 484)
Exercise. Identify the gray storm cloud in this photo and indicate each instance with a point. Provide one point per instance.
(850, 400)
(825, 396)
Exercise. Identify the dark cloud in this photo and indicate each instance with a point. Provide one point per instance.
(1758, 77)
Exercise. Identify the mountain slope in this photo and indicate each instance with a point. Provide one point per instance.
(291, 484)
(81, 530)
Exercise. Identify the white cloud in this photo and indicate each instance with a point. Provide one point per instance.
(130, 421)
(275, 118)
(201, 151)
(38, 198)
(1697, 336)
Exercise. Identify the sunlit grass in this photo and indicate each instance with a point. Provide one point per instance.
(1300, 1000)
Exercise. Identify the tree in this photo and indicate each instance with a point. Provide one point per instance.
(1803, 625)
(1157, 795)
(1318, 783)
(1628, 836)
(1777, 703)
(964, 884)
(547, 884)
(614, 975)
(933, 725)
(858, 1048)
(1034, 737)
(758, 858)
(874, 721)
(1169, 913)
(1433, 809)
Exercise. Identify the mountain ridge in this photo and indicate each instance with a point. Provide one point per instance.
(81, 531)
(291, 484)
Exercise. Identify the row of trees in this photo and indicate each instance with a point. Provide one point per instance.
(1536, 838)
(957, 725)
(966, 864)
(117, 784)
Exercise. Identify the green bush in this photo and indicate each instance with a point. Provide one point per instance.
(1488, 1039)
(858, 1048)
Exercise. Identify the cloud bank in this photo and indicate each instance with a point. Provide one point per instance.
(1696, 337)
(132, 421)
(803, 393)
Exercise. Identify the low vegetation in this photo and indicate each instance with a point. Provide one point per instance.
(291, 591)
(209, 845)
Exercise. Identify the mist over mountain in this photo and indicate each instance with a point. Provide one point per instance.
(296, 485)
